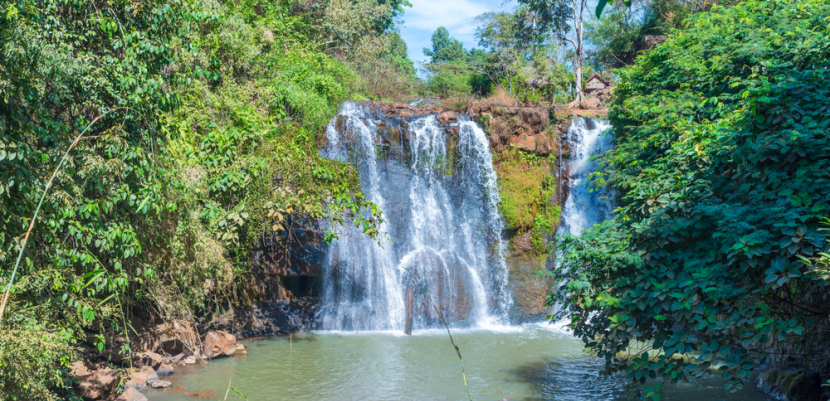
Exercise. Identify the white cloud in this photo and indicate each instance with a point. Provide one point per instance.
(454, 15)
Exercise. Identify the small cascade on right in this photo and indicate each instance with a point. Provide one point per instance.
(584, 208)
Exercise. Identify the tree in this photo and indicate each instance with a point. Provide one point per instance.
(553, 17)
(720, 162)
(499, 32)
(615, 38)
(444, 48)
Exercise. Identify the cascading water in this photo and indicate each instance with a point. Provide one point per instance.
(438, 194)
(584, 208)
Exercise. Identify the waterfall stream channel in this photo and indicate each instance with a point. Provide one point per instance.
(443, 243)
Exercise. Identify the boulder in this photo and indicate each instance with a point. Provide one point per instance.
(527, 143)
(97, 385)
(164, 370)
(219, 344)
(590, 103)
(151, 374)
(191, 360)
(150, 359)
(447, 117)
(177, 337)
(544, 145)
(160, 384)
(177, 358)
(130, 395)
(138, 381)
(533, 117)
(78, 368)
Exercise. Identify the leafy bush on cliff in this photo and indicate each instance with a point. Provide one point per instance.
(721, 164)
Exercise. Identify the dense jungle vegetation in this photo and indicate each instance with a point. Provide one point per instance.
(192, 127)
(715, 262)
(158, 142)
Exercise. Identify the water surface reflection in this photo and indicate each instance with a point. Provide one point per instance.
(532, 362)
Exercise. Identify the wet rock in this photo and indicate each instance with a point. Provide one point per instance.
(177, 358)
(151, 374)
(98, 384)
(191, 360)
(447, 117)
(791, 384)
(130, 395)
(204, 394)
(164, 370)
(218, 344)
(240, 349)
(150, 359)
(161, 384)
(137, 380)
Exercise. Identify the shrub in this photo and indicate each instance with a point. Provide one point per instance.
(720, 161)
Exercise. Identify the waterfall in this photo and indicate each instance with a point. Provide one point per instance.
(437, 190)
(584, 208)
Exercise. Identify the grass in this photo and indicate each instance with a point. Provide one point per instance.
(500, 96)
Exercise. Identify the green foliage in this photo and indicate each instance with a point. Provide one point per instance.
(451, 80)
(206, 143)
(384, 68)
(455, 73)
(548, 18)
(520, 57)
(64, 64)
(720, 162)
(526, 189)
(614, 40)
(27, 364)
(444, 48)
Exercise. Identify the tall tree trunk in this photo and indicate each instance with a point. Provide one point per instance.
(579, 6)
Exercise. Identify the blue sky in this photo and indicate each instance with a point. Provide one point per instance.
(421, 20)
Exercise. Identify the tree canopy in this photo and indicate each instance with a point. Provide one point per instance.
(444, 48)
(721, 160)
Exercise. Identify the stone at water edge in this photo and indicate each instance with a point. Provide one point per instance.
(150, 359)
(160, 384)
(137, 380)
(177, 358)
(218, 344)
(130, 395)
(151, 374)
(191, 360)
(97, 384)
(164, 370)
(177, 336)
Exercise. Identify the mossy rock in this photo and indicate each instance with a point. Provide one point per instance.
(805, 386)
(770, 377)
(796, 385)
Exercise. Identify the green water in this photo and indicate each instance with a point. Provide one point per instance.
(534, 362)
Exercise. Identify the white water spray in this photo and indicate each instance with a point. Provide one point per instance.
(439, 197)
(584, 208)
